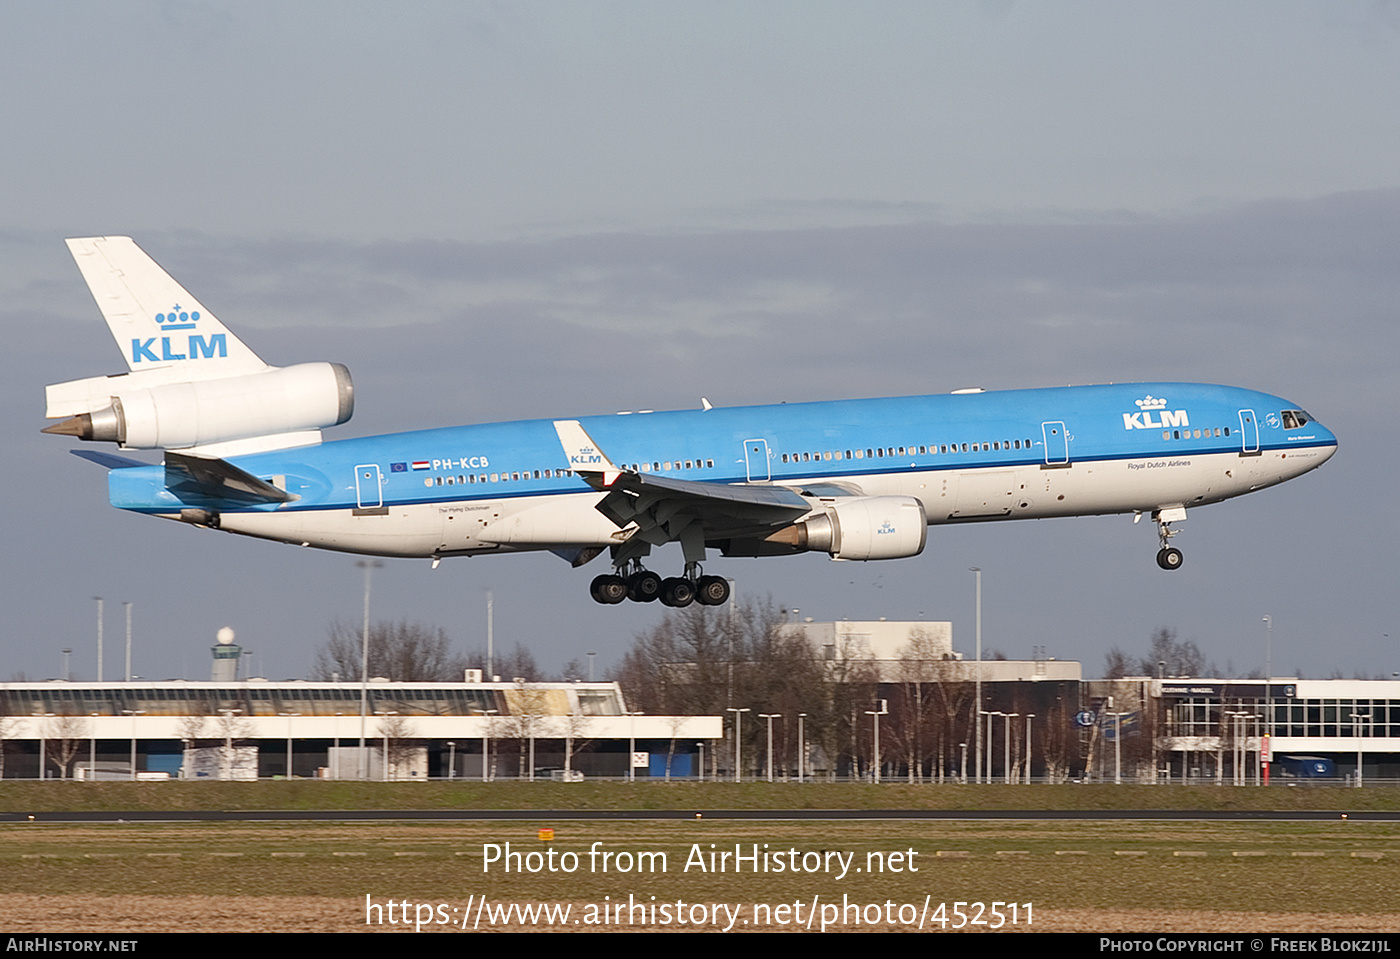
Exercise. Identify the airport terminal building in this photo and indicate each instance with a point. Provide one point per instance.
(258, 729)
(1036, 720)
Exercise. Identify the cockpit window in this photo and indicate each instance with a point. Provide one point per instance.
(1292, 419)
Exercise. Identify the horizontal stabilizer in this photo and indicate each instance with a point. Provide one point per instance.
(220, 481)
(108, 460)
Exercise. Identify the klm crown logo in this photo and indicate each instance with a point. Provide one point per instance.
(1144, 420)
(177, 319)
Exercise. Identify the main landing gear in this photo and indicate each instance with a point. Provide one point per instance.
(644, 586)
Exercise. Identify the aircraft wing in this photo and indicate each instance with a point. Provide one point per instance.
(661, 506)
(653, 501)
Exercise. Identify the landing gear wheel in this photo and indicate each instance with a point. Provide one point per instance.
(1169, 558)
(712, 591)
(644, 587)
(609, 589)
(677, 592)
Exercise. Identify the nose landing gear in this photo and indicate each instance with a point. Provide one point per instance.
(1168, 557)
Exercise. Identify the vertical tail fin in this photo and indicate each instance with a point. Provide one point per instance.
(156, 322)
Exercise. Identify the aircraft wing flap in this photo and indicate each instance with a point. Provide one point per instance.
(219, 481)
(650, 500)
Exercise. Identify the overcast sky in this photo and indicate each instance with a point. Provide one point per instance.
(498, 211)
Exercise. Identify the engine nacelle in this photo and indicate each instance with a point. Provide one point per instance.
(308, 396)
(868, 527)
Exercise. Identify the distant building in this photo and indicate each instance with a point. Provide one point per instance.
(180, 729)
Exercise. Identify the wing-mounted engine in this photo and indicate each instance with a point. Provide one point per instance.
(861, 528)
(123, 409)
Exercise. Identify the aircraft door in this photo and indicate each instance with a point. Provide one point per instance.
(369, 490)
(756, 461)
(1056, 443)
(1249, 433)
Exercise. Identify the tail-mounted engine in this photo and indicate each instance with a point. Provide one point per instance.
(141, 415)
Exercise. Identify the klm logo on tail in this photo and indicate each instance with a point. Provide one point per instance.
(195, 346)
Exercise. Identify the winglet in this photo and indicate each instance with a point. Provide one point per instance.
(584, 456)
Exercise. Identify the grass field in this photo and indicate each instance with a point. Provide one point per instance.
(1100, 876)
(307, 794)
(1096, 876)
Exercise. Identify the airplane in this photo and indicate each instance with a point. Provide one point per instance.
(856, 479)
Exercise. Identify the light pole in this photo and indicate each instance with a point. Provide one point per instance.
(977, 674)
(632, 746)
(738, 740)
(700, 744)
(1356, 731)
(1117, 748)
(289, 716)
(133, 713)
(963, 776)
(877, 713)
(92, 749)
(486, 745)
(770, 717)
(42, 731)
(99, 637)
(451, 759)
(1265, 748)
(1029, 717)
(1237, 748)
(127, 607)
(590, 665)
(801, 747)
(490, 638)
(989, 714)
(369, 566)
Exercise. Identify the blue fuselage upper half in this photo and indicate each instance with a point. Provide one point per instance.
(788, 444)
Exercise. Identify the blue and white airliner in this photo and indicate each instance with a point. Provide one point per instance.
(856, 479)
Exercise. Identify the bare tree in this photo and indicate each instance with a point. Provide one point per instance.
(400, 738)
(518, 663)
(67, 734)
(703, 660)
(1116, 664)
(578, 734)
(1177, 657)
(402, 651)
(528, 706)
(233, 729)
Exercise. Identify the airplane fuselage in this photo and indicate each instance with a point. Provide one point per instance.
(965, 457)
